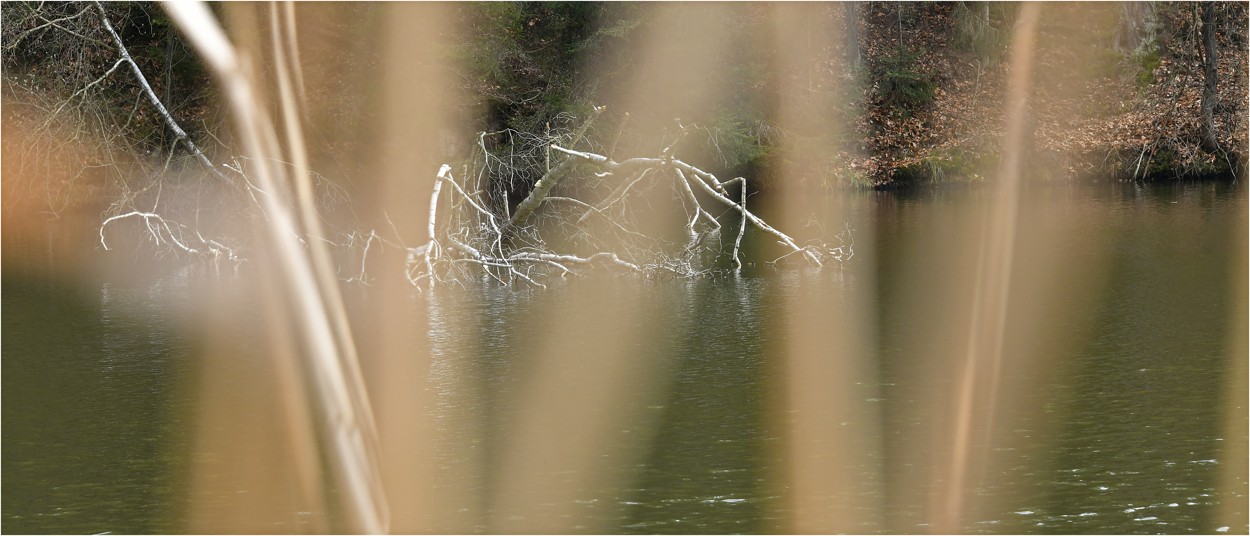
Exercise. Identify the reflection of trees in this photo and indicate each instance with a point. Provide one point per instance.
(705, 471)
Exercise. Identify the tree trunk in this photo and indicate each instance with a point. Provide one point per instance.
(547, 182)
(1210, 141)
(1134, 26)
(854, 56)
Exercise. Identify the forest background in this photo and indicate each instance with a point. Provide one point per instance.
(913, 93)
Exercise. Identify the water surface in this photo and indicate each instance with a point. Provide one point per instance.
(1113, 404)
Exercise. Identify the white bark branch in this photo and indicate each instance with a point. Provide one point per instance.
(720, 195)
(432, 244)
(163, 232)
(579, 260)
(548, 180)
(469, 235)
(155, 223)
(617, 194)
(156, 102)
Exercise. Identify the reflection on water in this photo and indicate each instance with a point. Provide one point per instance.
(1112, 422)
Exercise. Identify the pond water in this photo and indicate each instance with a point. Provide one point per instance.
(768, 403)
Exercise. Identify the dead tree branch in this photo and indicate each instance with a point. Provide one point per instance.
(549, 180)
(173, 125)
(463, 232)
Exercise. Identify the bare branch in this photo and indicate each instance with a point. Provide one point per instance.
(469, 234)
(549, 180)
(156, 102)
(718, 192)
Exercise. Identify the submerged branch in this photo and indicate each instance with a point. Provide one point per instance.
(709, 184)
(469, 233)
(163, 232)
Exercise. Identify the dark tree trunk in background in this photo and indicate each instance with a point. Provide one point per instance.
(853, 55)
(1210, 142)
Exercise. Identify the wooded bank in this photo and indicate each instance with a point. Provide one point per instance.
(107, 109)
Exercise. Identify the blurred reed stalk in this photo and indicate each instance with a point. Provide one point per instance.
(415, 95)
(309, 288)
(828, 477)
(978, 383)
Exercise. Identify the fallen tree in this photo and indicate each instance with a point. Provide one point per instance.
(469, 238)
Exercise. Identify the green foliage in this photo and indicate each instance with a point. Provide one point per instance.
(947, 164)
(737, 139)
(531, 65)
(527, 60)
(841, 173)
(858, 179)
(1104, 64)
(901, 84)
(1161, 162)
(1146, 61)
